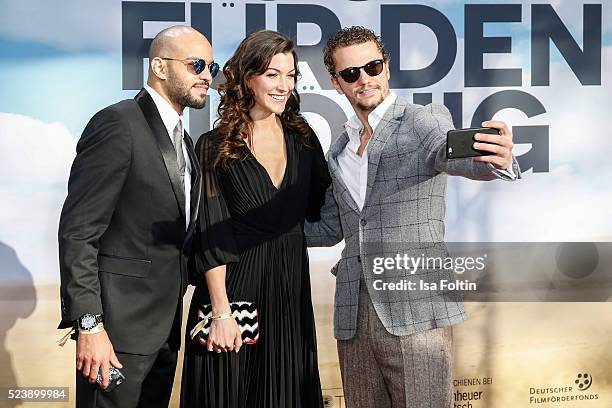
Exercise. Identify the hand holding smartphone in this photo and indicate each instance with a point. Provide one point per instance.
(460, 142)
(116, 378)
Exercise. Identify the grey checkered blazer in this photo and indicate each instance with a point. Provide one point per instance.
(403, 211)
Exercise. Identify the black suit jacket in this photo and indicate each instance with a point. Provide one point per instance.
(123, 245)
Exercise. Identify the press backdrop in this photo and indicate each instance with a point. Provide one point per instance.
(543, 67)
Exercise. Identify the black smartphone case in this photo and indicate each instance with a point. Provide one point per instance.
(459, 142)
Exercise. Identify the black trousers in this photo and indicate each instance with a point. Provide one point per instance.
(148, 383)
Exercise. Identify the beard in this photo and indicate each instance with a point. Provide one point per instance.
(370, 106)
(180, 93)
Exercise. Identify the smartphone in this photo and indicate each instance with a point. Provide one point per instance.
(460, 142)
(116, 378)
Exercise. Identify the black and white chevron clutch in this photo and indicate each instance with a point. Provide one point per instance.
(245, 314)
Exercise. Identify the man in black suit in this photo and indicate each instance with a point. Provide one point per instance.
(126, 226)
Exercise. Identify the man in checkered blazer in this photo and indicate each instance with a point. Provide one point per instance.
(387, 197)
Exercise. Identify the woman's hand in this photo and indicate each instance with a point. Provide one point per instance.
(224, 336)
(224, 333)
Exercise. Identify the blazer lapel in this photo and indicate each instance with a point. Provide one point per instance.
(336, 173)
(164, 143)
(384, 130)
(196, 179)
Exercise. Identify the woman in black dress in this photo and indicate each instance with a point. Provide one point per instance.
(264, 174)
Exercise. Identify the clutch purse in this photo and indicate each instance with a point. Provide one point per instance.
(245, 314)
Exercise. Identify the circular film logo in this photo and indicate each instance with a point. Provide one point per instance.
(584, 382)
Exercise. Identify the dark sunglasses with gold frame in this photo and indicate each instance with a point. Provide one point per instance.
(198, 65)
(352, 74)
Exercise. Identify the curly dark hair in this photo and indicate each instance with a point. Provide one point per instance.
(350, 36)
(252, 58)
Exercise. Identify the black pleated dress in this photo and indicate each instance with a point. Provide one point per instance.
(256, 229)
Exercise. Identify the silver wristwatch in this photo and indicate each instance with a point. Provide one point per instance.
(88, 321)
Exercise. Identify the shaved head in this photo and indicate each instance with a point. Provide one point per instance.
(172, 55)
(165, 42)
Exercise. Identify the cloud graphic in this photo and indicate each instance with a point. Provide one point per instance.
(35, 159)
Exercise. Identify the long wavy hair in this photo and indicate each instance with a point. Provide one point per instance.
(234, 125)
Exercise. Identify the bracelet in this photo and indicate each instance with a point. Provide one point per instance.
(65, 337)
(222, 316)
(96, 329)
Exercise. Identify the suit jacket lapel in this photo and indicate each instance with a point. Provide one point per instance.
(164, 143)
(334, 169)
(384, 130)
(196, 179)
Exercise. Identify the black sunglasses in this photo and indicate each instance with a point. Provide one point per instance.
(351, 74)
(199, 65)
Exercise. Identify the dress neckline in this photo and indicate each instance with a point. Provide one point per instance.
(261, 166)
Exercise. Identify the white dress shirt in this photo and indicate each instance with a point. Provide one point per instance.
(354, 168)
(170, 119)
